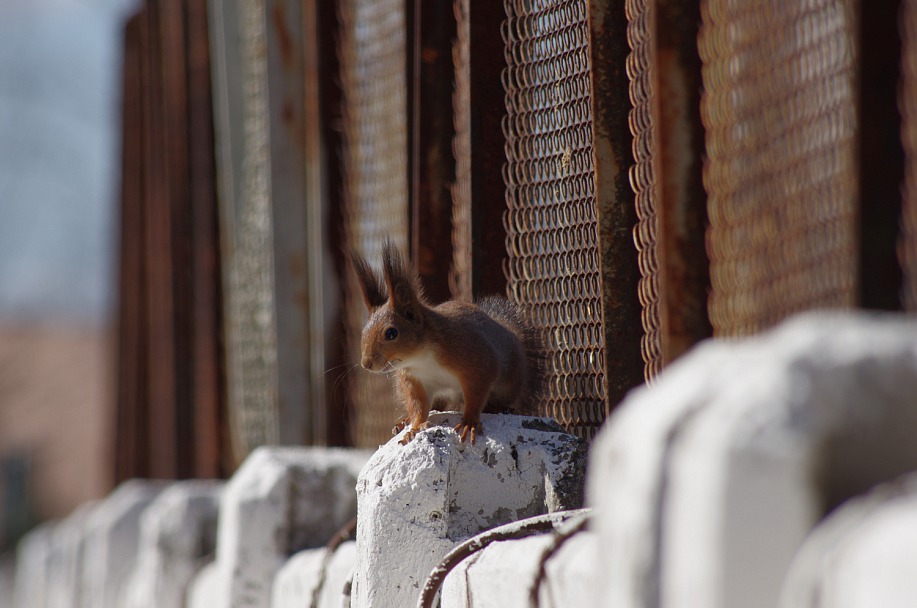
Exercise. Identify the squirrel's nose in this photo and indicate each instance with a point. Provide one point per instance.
(367, 363)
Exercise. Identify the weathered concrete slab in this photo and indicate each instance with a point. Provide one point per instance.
(177, 537)
(706, 484)
(417, 501)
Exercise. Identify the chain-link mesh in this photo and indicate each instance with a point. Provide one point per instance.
(643, 176)
(779, 110)
(908, 243)
(551, 225)
(373, 61)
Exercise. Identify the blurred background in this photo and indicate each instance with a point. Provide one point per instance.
(60, 96)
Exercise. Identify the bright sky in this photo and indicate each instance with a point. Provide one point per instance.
(59, 165)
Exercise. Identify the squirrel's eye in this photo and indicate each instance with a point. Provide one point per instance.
(391, 333)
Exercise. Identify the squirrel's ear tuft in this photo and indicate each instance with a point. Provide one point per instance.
(370, 283)
(403, 283)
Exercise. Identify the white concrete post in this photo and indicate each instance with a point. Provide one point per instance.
(177, 536)
(67, 559)
(32, 567)
(314, 574)
(863, 555)
(280, 501)
(706, 484)
(417, 501)
(112, 538)
(7, 582)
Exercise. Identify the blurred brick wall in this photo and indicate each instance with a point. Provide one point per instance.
(55, 411)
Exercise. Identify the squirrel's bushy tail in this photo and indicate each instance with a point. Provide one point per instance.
(513, 316)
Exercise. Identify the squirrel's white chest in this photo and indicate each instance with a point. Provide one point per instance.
(437, 381)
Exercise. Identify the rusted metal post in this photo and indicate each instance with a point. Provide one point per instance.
(132, 407)
(684, 269)
(487, 110)
(881, 155)
(163, 423)
(432, 164)
(615, 199)
(205, 309)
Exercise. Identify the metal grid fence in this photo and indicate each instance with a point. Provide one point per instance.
(643, 176)
(373, 79)
(779, 109)
(551, 223)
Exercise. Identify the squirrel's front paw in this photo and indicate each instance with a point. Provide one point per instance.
(400, 425)
(468, 427)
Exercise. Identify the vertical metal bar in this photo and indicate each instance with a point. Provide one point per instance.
(908, 104)
(315, 201)
(433, 168)
(132, 402)
(681, 199)
(179, 236)
(615, 199)
(288, 201)
(487, 110)
(159, 262)
(206, 354)
(460, 271)
(881, 155)
(329, 220)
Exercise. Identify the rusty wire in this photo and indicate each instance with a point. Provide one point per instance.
(372, 58)
(551, 225)
(908, 102)
(779, 109)
(643, 177)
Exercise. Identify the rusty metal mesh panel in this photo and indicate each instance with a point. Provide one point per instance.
(373, 82)
(779, 110)
(908, 243)
(643, 177)
(460, 274)
(551, 225)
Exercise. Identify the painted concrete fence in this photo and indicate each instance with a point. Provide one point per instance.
(772, 471)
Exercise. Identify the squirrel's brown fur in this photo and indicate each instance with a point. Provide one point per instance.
(487, 355)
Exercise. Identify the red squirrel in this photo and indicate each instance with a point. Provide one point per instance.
(487, 355)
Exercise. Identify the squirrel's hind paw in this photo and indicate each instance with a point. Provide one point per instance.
(466, 428)
(407, 437)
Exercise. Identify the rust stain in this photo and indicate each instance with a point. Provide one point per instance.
(284, 40)
(286, 112)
